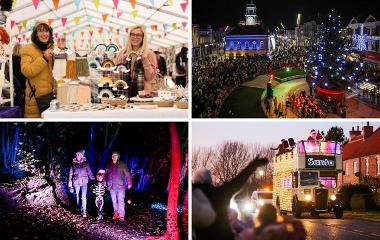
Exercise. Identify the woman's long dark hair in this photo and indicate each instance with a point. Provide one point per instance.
(35, 40)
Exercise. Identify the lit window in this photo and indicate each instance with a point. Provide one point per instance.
(378, 166)
(355, 167)
(366, 167)
(347, 169)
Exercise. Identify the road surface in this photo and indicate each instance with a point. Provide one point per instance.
(326, 227)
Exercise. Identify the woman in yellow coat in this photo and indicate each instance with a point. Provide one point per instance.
(37, 65)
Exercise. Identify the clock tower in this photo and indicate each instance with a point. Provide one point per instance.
(250, 16)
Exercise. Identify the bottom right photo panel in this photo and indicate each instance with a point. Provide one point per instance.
(286, 180)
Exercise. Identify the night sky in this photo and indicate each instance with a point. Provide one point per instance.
(221, 13)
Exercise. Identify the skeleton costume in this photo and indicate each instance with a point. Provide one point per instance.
(99, 189)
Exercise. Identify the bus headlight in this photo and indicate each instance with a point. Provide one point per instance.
(307, 197)
(333, 197)
(248, 207)
(261, 202)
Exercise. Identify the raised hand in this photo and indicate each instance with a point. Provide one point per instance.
(258, 161)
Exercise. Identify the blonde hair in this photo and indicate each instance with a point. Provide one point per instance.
(128, 48)
(16, 49)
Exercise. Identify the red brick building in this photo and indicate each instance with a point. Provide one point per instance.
(361, 154)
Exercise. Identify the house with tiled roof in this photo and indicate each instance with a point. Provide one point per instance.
(361, 154)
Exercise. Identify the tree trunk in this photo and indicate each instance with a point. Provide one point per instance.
(90, 154)
(172, 231)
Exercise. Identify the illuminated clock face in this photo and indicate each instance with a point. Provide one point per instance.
(250, 20)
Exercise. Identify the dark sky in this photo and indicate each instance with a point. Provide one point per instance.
(221, 13)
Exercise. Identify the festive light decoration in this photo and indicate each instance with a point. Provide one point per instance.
(328, 58)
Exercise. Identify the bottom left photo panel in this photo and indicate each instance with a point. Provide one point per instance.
(102, 180)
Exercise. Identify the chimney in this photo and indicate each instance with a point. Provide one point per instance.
(367, 131)
(353, 133)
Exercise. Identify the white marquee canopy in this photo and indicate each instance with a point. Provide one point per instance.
(90, 22)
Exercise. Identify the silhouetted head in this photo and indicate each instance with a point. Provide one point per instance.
(202, 175)
(267, 214)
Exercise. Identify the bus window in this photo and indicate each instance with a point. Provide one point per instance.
(295, 180)
(308, 178)
(328, 182)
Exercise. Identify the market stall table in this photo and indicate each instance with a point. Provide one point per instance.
(135, 112)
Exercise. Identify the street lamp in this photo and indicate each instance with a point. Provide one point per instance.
(261, 173)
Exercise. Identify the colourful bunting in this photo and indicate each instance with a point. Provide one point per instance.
(56, 3)
(56, 35)
(126, 30)
(19, 28)
(27, 40)
(153, 27)
(104, 16)
(96, 2)
(133, 3)
(115, 3)
(82, 33)
(152, 2)
(89, 18)
(165, 26)
(170, 2)
(24, 23)
(91, 32)
(118, 14)
(35, 3)
(184, 25)
(14, 3)
(76, 20)
(184, 6)
(12, 23)
(77, 3)
(134, 13)
(64, 20)
(50, 21)
(111, 29)
(23, 37)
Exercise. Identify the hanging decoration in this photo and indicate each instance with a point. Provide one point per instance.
(104, 17)
(76, 20)
(96, 3)
(184, 6)
(63, 20)
(56, 3)
(115, 3)
(134, 13)
(35, 3)
(77, 3)
(133, 3)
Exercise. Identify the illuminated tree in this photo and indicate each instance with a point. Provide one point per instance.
(328, 60)
(172, 230)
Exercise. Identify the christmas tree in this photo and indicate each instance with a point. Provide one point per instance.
(328, 59)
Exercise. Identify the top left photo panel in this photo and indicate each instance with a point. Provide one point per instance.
(92, 59)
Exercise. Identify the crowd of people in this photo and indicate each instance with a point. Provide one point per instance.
(300, 105)
(212, 218)
(214, 79)
(293, 57)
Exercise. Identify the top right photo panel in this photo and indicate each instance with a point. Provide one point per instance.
(285, 59)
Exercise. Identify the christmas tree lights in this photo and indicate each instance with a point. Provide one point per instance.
(327, 58)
